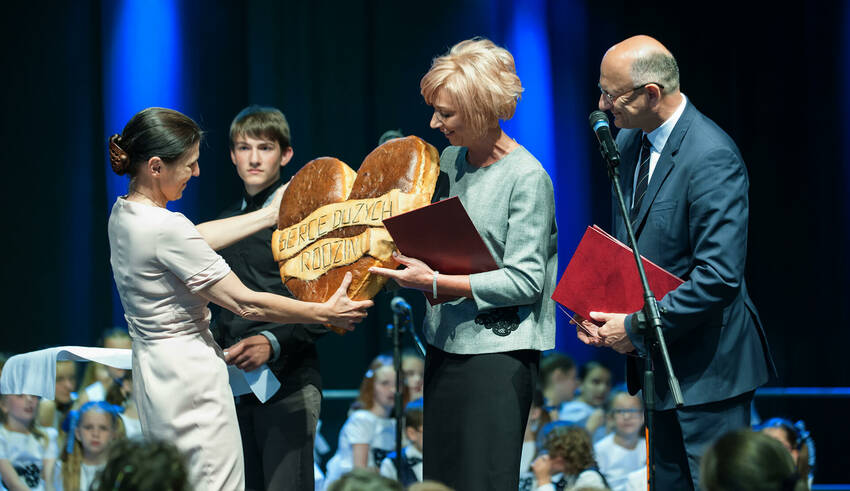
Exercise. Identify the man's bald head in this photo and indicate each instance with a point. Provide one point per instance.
(638, 45)
(644, 60)
(639, 79)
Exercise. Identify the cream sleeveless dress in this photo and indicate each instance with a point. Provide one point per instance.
(160, 262)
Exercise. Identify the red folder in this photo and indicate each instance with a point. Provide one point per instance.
(602, 277)
(443, 237)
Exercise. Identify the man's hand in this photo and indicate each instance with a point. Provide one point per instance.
(249, 353)
(613, 332)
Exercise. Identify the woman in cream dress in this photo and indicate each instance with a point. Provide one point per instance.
(166, 272)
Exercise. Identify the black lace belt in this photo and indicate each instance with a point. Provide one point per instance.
(502, 321)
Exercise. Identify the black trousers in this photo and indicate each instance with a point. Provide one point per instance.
(277, 440)
(683, 435)
(476, 410)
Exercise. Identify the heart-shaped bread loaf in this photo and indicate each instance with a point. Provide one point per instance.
(330, 219)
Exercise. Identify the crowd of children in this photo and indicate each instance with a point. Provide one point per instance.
(84, 425)
(580, 434)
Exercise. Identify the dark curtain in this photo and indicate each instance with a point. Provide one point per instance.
(55, 252)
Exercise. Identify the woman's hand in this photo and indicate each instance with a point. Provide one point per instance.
(344, 312)
(227, 231)
(416, 275)
(274, 207)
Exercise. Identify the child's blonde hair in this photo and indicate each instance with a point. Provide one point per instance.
(72, 451)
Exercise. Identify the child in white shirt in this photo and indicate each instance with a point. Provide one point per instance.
(587, 409)
(91, 430)
(568, 462)
(27, 451)
(368, 434)
(623, 451)
(411, 455)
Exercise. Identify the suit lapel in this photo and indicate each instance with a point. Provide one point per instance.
(665, 164)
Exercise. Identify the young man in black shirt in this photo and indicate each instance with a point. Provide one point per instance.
(277, 437)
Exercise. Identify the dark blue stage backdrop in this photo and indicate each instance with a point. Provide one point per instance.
(845, 110)
(142, 67)
(549, 121)
(561, 145)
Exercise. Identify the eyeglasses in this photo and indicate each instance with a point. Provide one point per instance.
(611, 98)
(627, 412)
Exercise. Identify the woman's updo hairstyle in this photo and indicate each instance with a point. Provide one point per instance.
(152, 132)
(481, 80)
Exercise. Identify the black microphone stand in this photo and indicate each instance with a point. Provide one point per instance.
(649, 326)
(396, 328)
(401, 322)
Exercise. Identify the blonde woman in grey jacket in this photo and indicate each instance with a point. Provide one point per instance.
(484, 347)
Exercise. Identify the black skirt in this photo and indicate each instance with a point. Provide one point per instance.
(476, 410)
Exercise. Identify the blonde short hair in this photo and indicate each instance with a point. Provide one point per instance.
(481, 80)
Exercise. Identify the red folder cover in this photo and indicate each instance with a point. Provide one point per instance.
(441, 235)
(602, 277)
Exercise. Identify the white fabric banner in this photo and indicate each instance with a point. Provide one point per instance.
(34, 373)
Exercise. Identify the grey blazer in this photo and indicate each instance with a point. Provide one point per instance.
(512, 205)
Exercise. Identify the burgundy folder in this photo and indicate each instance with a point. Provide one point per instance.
(443, 237)
(602, 277)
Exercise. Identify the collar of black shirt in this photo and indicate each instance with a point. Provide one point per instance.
(256, 202)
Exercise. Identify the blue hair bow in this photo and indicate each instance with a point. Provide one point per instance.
(802, 434)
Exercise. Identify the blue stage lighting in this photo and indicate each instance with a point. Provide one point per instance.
(143, 67)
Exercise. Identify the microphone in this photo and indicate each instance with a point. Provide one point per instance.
(607, 145)
(400, 306)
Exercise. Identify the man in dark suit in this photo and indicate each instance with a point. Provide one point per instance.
(685, 183)
(278, 435)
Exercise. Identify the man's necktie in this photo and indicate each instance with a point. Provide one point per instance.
(643, 178)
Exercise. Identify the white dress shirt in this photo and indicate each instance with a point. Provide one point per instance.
(658, 138)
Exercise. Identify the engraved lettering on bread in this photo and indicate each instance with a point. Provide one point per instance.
(306, 253)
